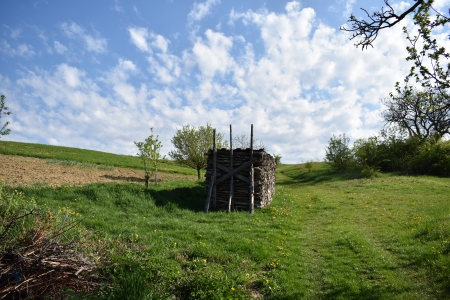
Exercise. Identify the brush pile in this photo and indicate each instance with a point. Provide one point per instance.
(264, 178)
(44, 262)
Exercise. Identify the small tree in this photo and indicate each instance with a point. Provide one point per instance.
(338, 153)
(277, 158)
(4, 111)
(191, 144)
(150, 156)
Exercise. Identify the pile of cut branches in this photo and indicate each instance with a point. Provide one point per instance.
(39, 257)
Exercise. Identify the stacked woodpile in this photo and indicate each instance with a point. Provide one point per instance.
(264, 178)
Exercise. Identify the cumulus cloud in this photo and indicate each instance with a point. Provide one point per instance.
(93, 44)
(298, 82)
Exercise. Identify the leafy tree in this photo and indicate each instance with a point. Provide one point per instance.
(423, 114)
(277, 158)
(191, 144)
(338, 153)
(4, 110)
(149, 152)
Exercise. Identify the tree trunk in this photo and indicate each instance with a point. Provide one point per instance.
(156, 176)
(198, 173)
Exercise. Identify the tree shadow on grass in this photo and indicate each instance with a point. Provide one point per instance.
(319, 176)
(191, 198)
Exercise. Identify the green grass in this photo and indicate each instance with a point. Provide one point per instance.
(325, 236)
(82, 156)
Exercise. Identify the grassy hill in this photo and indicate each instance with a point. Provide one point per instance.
(85, 156)
(325, 236)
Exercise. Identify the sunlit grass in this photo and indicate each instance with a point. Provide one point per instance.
(325, 236)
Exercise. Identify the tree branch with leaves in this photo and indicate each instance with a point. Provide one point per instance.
(4, 110)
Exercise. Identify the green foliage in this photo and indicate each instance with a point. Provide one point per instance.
(309, 165)
(277, 158)
(4, 111)
(338, 153)
(191, 144)
(435, 78)
(149, 152)
(433, 158)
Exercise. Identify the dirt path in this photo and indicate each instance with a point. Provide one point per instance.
(28, 171)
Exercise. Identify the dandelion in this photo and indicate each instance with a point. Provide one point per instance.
(232, 289)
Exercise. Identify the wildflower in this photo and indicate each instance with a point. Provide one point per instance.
(232, 289)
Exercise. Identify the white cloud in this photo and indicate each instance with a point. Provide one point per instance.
(298, 82)
(200, 10)
(139, 37)
(21, 50)
(93, 44)
(60, 48)
(212, 55)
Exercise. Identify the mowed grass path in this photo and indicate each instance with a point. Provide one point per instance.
(325, 236)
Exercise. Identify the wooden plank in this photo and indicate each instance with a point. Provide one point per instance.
(237, 170)
(252, 199)
(230, 198)
(226, 169)
(214, 168)
(212, 185)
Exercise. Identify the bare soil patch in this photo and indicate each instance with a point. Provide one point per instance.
(29, 171)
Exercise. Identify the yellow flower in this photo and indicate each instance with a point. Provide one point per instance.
(232, 289)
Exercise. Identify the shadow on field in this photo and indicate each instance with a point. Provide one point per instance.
(124, 178)
(317, 176)
(192, 198)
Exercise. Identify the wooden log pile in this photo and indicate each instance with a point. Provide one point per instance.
(264, 178)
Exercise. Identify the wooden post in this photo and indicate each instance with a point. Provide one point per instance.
(215, 169)
(230, 199)
(212, 181)
(251, 200)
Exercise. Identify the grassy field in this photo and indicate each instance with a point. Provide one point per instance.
(74, 155)
(325, 236)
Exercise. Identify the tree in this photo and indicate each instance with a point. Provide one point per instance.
(277, 158)
(4, 110)
(427, 68)
(243, 141)
(424, 114)
(338, 153)
(191, 144)
(150, 156)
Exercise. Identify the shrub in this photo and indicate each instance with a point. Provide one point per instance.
(433, 159)
(338, 153)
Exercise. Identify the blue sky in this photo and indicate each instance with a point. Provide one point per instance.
(99, 74)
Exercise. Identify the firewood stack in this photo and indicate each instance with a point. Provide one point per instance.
(264, 178)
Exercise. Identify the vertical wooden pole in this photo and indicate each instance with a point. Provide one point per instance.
(251, 200)
(230, 199)
(215, 169)
(212, 181)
